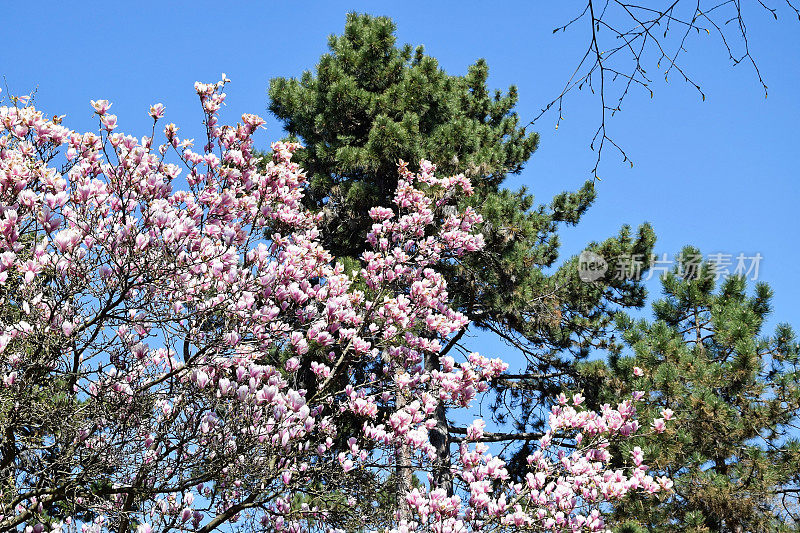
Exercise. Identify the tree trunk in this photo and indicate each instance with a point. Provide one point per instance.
(403, 473)
(440, 440)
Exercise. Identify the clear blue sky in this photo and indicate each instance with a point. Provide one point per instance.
(720, 174)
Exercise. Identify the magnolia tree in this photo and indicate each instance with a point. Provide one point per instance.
(152, 338)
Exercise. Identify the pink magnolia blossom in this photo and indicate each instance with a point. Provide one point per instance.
(157, 111)
(182, 297)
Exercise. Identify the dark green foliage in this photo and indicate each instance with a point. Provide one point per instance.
(732, 446)
(370, 104)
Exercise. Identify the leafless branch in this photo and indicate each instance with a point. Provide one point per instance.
(625, 37)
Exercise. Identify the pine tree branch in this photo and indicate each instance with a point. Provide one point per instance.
(489, 436)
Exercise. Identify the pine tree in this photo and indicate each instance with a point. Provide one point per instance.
(732, 446)
(371, 103)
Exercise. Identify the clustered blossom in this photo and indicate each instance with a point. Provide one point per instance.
(562, 489)
(187, 354)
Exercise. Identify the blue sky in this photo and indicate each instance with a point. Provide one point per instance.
(719, 174)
